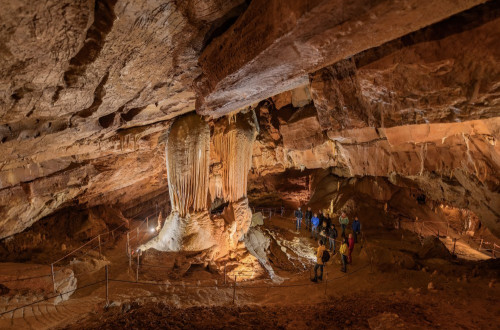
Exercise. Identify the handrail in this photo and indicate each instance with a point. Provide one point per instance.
(48, 298)
(182, 285)
(77, 249)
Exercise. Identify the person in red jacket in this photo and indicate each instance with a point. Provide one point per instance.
(351, 247)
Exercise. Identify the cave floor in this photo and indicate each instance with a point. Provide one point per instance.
(363, 298)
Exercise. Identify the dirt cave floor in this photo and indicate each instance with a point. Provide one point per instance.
(399, 290)
(438, 295)
(360, 310)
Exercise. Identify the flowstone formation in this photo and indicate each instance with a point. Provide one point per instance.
(190, 227)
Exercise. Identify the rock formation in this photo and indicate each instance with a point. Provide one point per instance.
(189, 227)
(402, 95)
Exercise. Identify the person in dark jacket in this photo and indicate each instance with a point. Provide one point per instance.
(321, 218)
(323, 232)
(356, 229)
(308, 218)
(332, 236)
(298, 216)
(328, 220)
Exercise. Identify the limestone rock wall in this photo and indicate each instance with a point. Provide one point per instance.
(87, 89)
(402, 90)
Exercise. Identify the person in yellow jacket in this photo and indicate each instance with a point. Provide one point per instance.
(344, 251)
(319, 261)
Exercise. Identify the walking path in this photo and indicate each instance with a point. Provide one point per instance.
(213, 292)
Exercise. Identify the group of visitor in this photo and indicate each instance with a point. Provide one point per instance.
(322, 228)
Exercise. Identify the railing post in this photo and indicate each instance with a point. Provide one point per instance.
(53, 277)
(480, 245)
(99, 240)
(147, 222)
(137, 269)
(234, 288)
(107, 285)
(128, 243)
(138, 232)
(225, 272)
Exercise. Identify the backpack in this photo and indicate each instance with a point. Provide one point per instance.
(325, 257)
(343, 248)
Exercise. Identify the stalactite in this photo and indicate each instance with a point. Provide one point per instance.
(215, 187)
(234, 146)
(188, 157)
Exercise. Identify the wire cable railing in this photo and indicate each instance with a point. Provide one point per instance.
(167, 283)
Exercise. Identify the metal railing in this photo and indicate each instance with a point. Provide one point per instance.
(420, 226)
(227, 285)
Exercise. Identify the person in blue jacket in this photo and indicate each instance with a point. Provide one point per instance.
(356, 229)
(314, 225)
(298, 216)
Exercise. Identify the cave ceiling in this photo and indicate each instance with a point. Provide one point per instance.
(398, 89)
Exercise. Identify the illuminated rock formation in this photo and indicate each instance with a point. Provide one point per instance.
(233, 142)
(188, 157)
(190, 227)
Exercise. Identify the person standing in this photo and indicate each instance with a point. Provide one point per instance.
(332, 236)
(308, 218)
(356, 229)
(343, 254)
(314, 225)
(351, 248)
(321, 218)
(298, 216)
(344, 221)
(323, 232)
(328, 220)
(319, 261)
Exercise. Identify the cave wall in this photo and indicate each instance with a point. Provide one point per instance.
(90, 88)
(412, 109)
